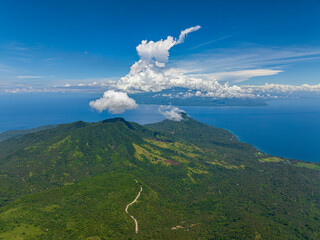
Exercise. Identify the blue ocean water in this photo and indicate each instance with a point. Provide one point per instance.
(288, 128)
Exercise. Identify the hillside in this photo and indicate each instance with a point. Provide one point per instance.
(18, 133)
(74, 181)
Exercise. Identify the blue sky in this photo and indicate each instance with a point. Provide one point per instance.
(48, 43)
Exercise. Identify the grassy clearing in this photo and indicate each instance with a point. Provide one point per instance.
(180, 148)
(198, 171)
(7, 214)
(308, 165)
(226, 165)
(152, 157)
(270, 159)
(57, 144)
(24, 231)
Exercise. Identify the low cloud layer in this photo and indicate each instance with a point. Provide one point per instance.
(282, 90)
(171, 112)
(216, 90)
(114, 102)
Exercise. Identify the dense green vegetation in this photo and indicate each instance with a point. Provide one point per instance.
(199, 182)
(18, 133)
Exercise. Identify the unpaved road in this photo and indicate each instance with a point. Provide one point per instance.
(135, 220)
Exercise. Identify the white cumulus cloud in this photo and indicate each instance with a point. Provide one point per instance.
(158, 52)
(149, 74)
(115, 102)
(171, 112)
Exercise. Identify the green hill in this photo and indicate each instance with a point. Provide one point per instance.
(199, 182)
(18, 133)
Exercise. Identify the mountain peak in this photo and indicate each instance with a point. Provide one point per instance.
(118, 119)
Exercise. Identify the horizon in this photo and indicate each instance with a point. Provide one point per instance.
(217, 56)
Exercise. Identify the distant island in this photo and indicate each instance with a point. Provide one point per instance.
(186, 97)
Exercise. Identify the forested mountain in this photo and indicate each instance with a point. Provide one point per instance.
(18, 133)
(74, 181)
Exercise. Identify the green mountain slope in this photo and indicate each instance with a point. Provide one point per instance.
(18, 133)
(199, 182)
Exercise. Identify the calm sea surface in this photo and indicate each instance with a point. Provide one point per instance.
(289, 128)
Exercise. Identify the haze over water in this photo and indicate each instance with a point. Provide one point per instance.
(288, 128)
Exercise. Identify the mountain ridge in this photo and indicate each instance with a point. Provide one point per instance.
(18, 133)
(199, 182)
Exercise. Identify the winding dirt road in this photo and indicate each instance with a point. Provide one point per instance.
(135, 220)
